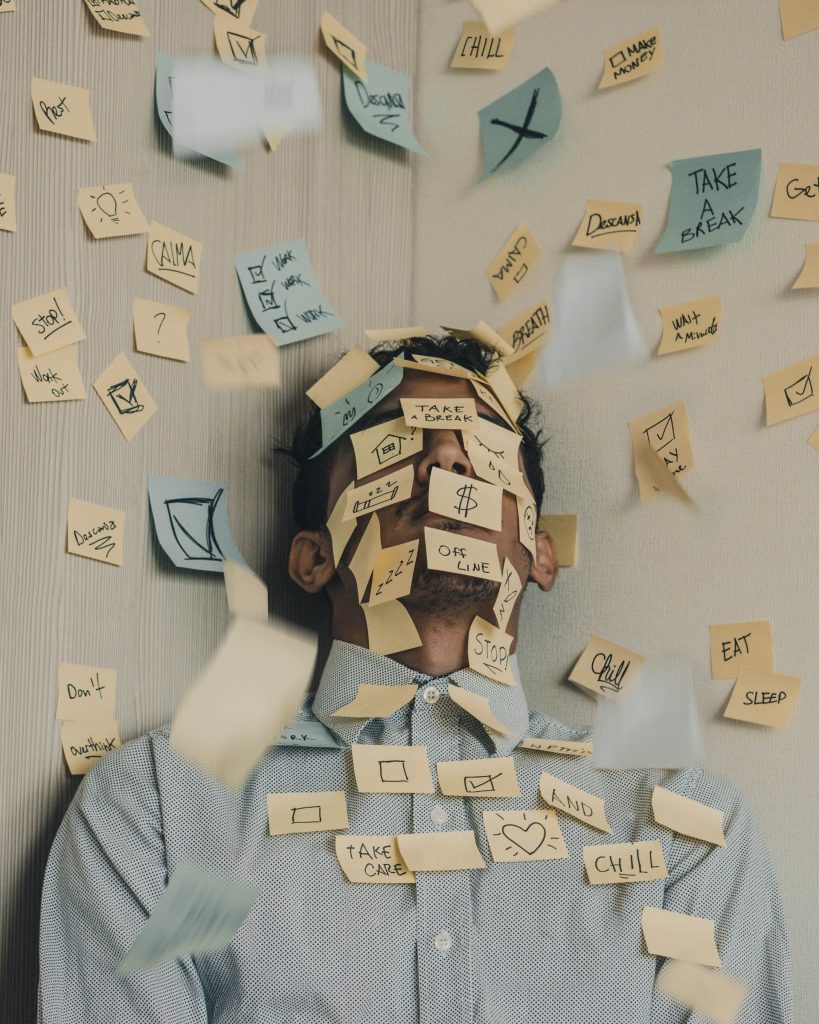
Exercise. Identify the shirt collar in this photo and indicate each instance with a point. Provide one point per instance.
(348, 665)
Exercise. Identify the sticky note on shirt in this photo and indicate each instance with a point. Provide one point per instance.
(479, 707)
(86, 692)
(796, 193)
(482, 50)
(124, 395)
(392, 573)
(85, 742)
(390, 628)
(680, 936)
(380, 446)
(440, 413)
(354, 367)
(161, 330)
(243, 362)
(633, 58)
(340, 41)
(465, 499)
(387, 768)
(384, 490)
(712, 995)
(291, 813)
(441, 851)
(48, 321)
(375, 701)
(489, 651)
(95, 531)
(373, 859)
(382, 104)
(609, 225)
(691, 324)
(111, 211)
(763, 698)
(574, 748)
(511, 266)
(563, 529)
(666, 433)
(117, 16)
(515, 836)
(466, 556)
(736, 646)
(617, 863)
(606, 668)
(479, 777)
(686, 816)
(8, 206)
(792, 392)
(53, 377)
(508, 593)
(581, 805)
(63, 109)
(173, 257)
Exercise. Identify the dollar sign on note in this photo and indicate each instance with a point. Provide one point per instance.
(467, 502)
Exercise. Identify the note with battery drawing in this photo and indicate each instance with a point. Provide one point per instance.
(384, 490)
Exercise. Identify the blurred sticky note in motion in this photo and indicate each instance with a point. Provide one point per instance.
(686, 816)
(441, 851)
(586, 807)
(792, 392)
(763, 698)
(111, 211)
(500, 14)
(291, 813)
(173, 257)
(712, 200)
(239, 46)
(609, 225)
(48, 321)
(798, 17)
(8, 207)
(124, 395)
(690, 324)
(63, 109)
(709, 994)
(482, 50)
(198, 912)
(562, 528)
(606, 668)
(511, 266)
(161, 330)
(348, 373)
(191, 522)
(736, 646)
(809, 274)
(85, 692)
(632, 58)
(478, 777)
(86, 741)
(666, 434)
(796, 193)
(373, 859)
(245, 697)
(239, 363)
(246, 593)
(348, 48)
(96, 532)
(382, 105)
(117, 16)
(53, 377)
(518, 123)
(680, 936)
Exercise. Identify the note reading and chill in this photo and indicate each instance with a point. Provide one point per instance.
(382, 104)
(579, 804)
(518, 123)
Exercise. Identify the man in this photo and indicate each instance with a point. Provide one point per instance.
(519, 940)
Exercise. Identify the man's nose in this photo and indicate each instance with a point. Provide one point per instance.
(442, 449)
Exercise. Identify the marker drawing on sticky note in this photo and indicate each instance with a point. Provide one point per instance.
(392, 572)
(609, 225)
(632, 58)
(85, 741)
(161, 330)
(384, 490)
(295, 813)
(8, 206)
(85, 692)
(63, 109)
(691, 324)
(111, 211)
(380, 446)
(574, 748)
(489, 652)
(792, 392)
(125, 397)
(348, 48)
(510, 267)
(736, 646)
(481, 50)
(382, 104)
(47, 322)
(763, 698)
(487, 777)
(606, 668)
(665, 433)
(239, 46)
(390, 768)
(466, 556)
(508, 593)
(465, 499)
(118, 17)
(173, 257)
(95, 531)
(524, 835)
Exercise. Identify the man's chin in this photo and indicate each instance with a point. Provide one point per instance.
(448, 593)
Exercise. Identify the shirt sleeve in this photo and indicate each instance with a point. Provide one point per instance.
(106, 871)
(736, 886)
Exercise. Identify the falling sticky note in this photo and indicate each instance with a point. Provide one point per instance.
(712, 200)
(633, 58)
(617, 863)
(342, 415)
(710, 994)
(479, 707)
(373, 859)
(680, 936)
(489, 651)
(480, 332)
(173, 257)
(466, 556)
(240, 363)
(348, 48)
(498, 15)
(85, 692)
(8, 207)
(440, 851)
(293, 813)
(352, 370)
(198, 912)
(809, 274)
(389, 768)
(518, 123)
(53, 377)
(562, 528)
(124, 395)
(798, 17)
(440, 413)
(390, 628)
(736, 646)
(515, 836)
(482, 50)
(161, 330)
(586, 807)
(392, 572)
(95, 531)
(380, 446)
(527, 332)
(191, 522)
(763, 698)
(479, 777)
(666, 433)
(117, 16)
(246, 593)
(465, 499)
(7, 5)
(47, 322)
(791, 392)
(63, 109)
(796, 193)
(111, 211)
(606, 668)
(384, 490)
(84, 742)
(609, 225)
(241, 11)
(382, 105)
(508, 593)
(686, 816)
(574, 748)
(510, 267)
(367, 550)
(373, 700)
(690, 324)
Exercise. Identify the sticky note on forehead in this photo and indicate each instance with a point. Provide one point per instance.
(440, 413)
(341, 415)
(380, 446)
(352, 370)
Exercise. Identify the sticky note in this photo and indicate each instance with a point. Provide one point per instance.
(495, 460)
(515, 836)
(440, 413)
(85, 742)
(63, 109)
(441, 851)
(610, 863)
(736, 646)
(388, 768)
(124, 395)
(690, 324)
(48, 322)
(686, 816)
(797, 17)
(191, 522)
(239, 46)
(517, 124)
(763, 698)
(809, 274)
(352, 370)
(606, 668)
(498, 15)
(574, 748)
(392, 572)
(466, 556)
(86, 692)
(436, 365)
(243, 362)
(489, 651)
(375, 701)
(241, 11)
(8, 206)
(796, 193)
(792, 392)
(508, 593)
(633, 58)
(161, 330)
(380, 446)
(342, 415)
(387, 489)
(609, 225)
(118, 16)
(53, 377)
(563, 529)
(480, 332)
(680, 936)
(482, 50)
(382, 104)
(390, 628)
(246, 593)
(479, 707)
(95, 531)
(666, 432)
(173, 257)
(7, 5)
(481, 777)
(813, 440)
(339, 528)
(111, 211)
(528, 331)
(378, 334)
(373, 859)
(581, 805)
(712, 200)
(367, 550)
(527, 524)
(291, 813)
(510, 267)
(198, 912)
(465, 499)
(348, 48)
(505, 389)
(709, 994)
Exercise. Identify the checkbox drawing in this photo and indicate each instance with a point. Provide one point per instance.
(661, 433)
(481, 783)
(307, 815)
(617, 59)
(520, 273)
(243, 48)
(393, 771)
(123, 397)
(801, 390)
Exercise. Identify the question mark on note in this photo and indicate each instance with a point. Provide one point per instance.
(163, 321)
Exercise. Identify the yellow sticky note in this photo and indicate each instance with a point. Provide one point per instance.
(161, 330)
(527, 523)
(633, 58)
(482, 777)
(390, 628)
(440, 413)
(173, 257)
(609, 225)
(798, 17)
(85, 692)
(515, 836)
(384, 490)
(617, 863)
(586, 807)
(111, 211)
(809, 274)
(479, 707)
(527, 332)
(85, 742)
(246, 593)
(708, 993)
(736, 646)
(680, 936)
(388, 768)
(392, 572)
(352, 369)
(482, 50)
(53, 377)
(813, 440)
(373, 700)
(489, 651)
(763, 698)
(574, 748)
(481, 332)
(441, 851)
(436, 365)
(791, 392)
(498, 15)
(466, 556)
(511, 266)
(348, 48)
(63, 109)
(292, 813)
(240, 363)
(373, 859)
(465, 499)
(488, 397)
(691, 324)
(492, 450)
(342, 529)
(95, 531)
(241, 11)
(367, 550)
(273, 140)
(562, 528)
(508, 593)
(796, 193)
(686, 816)
(239, 45)
(8, 207)
(666, 433)
(124, 395)
(118, 16)
(48, 321)
(607, 668)
(7, 5)
(380, 446)
(378, 334)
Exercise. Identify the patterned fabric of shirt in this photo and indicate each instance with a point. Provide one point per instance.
(515, 943)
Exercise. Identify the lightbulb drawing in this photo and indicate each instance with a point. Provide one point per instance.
(108, 205)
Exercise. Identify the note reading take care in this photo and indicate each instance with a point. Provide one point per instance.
(736, 646)
(111, 211)
(63, 109)
(173, 257)
(373, 859)
(53, 377)
(609, 225)
(691, 324)
(95, 531)
(510, 267)
(124, 395)
(763, 698)
(481, 49)
(48, 322)
(633, 58)
(606, 668)
(161, 330)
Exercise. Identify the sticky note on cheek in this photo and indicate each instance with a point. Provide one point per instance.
(737, 646)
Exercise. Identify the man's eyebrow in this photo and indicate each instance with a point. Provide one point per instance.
(372, 419)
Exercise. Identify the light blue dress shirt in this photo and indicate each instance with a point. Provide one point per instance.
(515, 943)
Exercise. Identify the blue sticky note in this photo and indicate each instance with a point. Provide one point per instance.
(337, 418)
(382, 104)
(712, 200)
(191, 523)
(519, 122)
(279, 285)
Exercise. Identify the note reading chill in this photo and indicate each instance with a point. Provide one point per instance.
(633, 58)
(111, 211)
(96, 532)
(124, 395)
(482, 50)
(606, 668)
(48, 322)
(173, 257)
(512, 264)
(63, 109)
(691, 324)
(609, 225)
(615, 863)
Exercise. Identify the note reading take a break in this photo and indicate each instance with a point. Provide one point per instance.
(763, 698)
(111, 211)
(465, 499)
(489, 651)
(481, 777)
(680, 936)
(239, 46)
(291, 813)
(8, 206)
(53, 377)
(384, 444)
(736, 646)
(348, 48)
(86, 741)
(581, 805)
(392, 572)
(117, 16)
(686, 816)
(796, 193)
(47, 322)
(384, 490)
(85, 692)
(524, 835)
(63, 109)
(498, 15)
(161, 330)
(508, 594)
(607, 668)
(792, 392)
(616, 863)
(387, 768)
(173, 257)
(691, 324)
(246, 361)
(124, 395)
(440, 413)
(512, 264)
(441, 851)
(607, 224)
(467, 556)
(633, 58)
(482, 50)
(96, 532)
(373, 859)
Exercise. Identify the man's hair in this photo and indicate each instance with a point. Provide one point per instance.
(311, 484)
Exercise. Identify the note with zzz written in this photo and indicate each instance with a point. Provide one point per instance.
(384, 490)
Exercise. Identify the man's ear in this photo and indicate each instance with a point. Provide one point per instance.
(544, 567)
(311, 563)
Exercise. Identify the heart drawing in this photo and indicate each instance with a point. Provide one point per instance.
(529, 839)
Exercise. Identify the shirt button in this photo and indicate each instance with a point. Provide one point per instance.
(431, 695)
(443, 941)
(438, 814)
